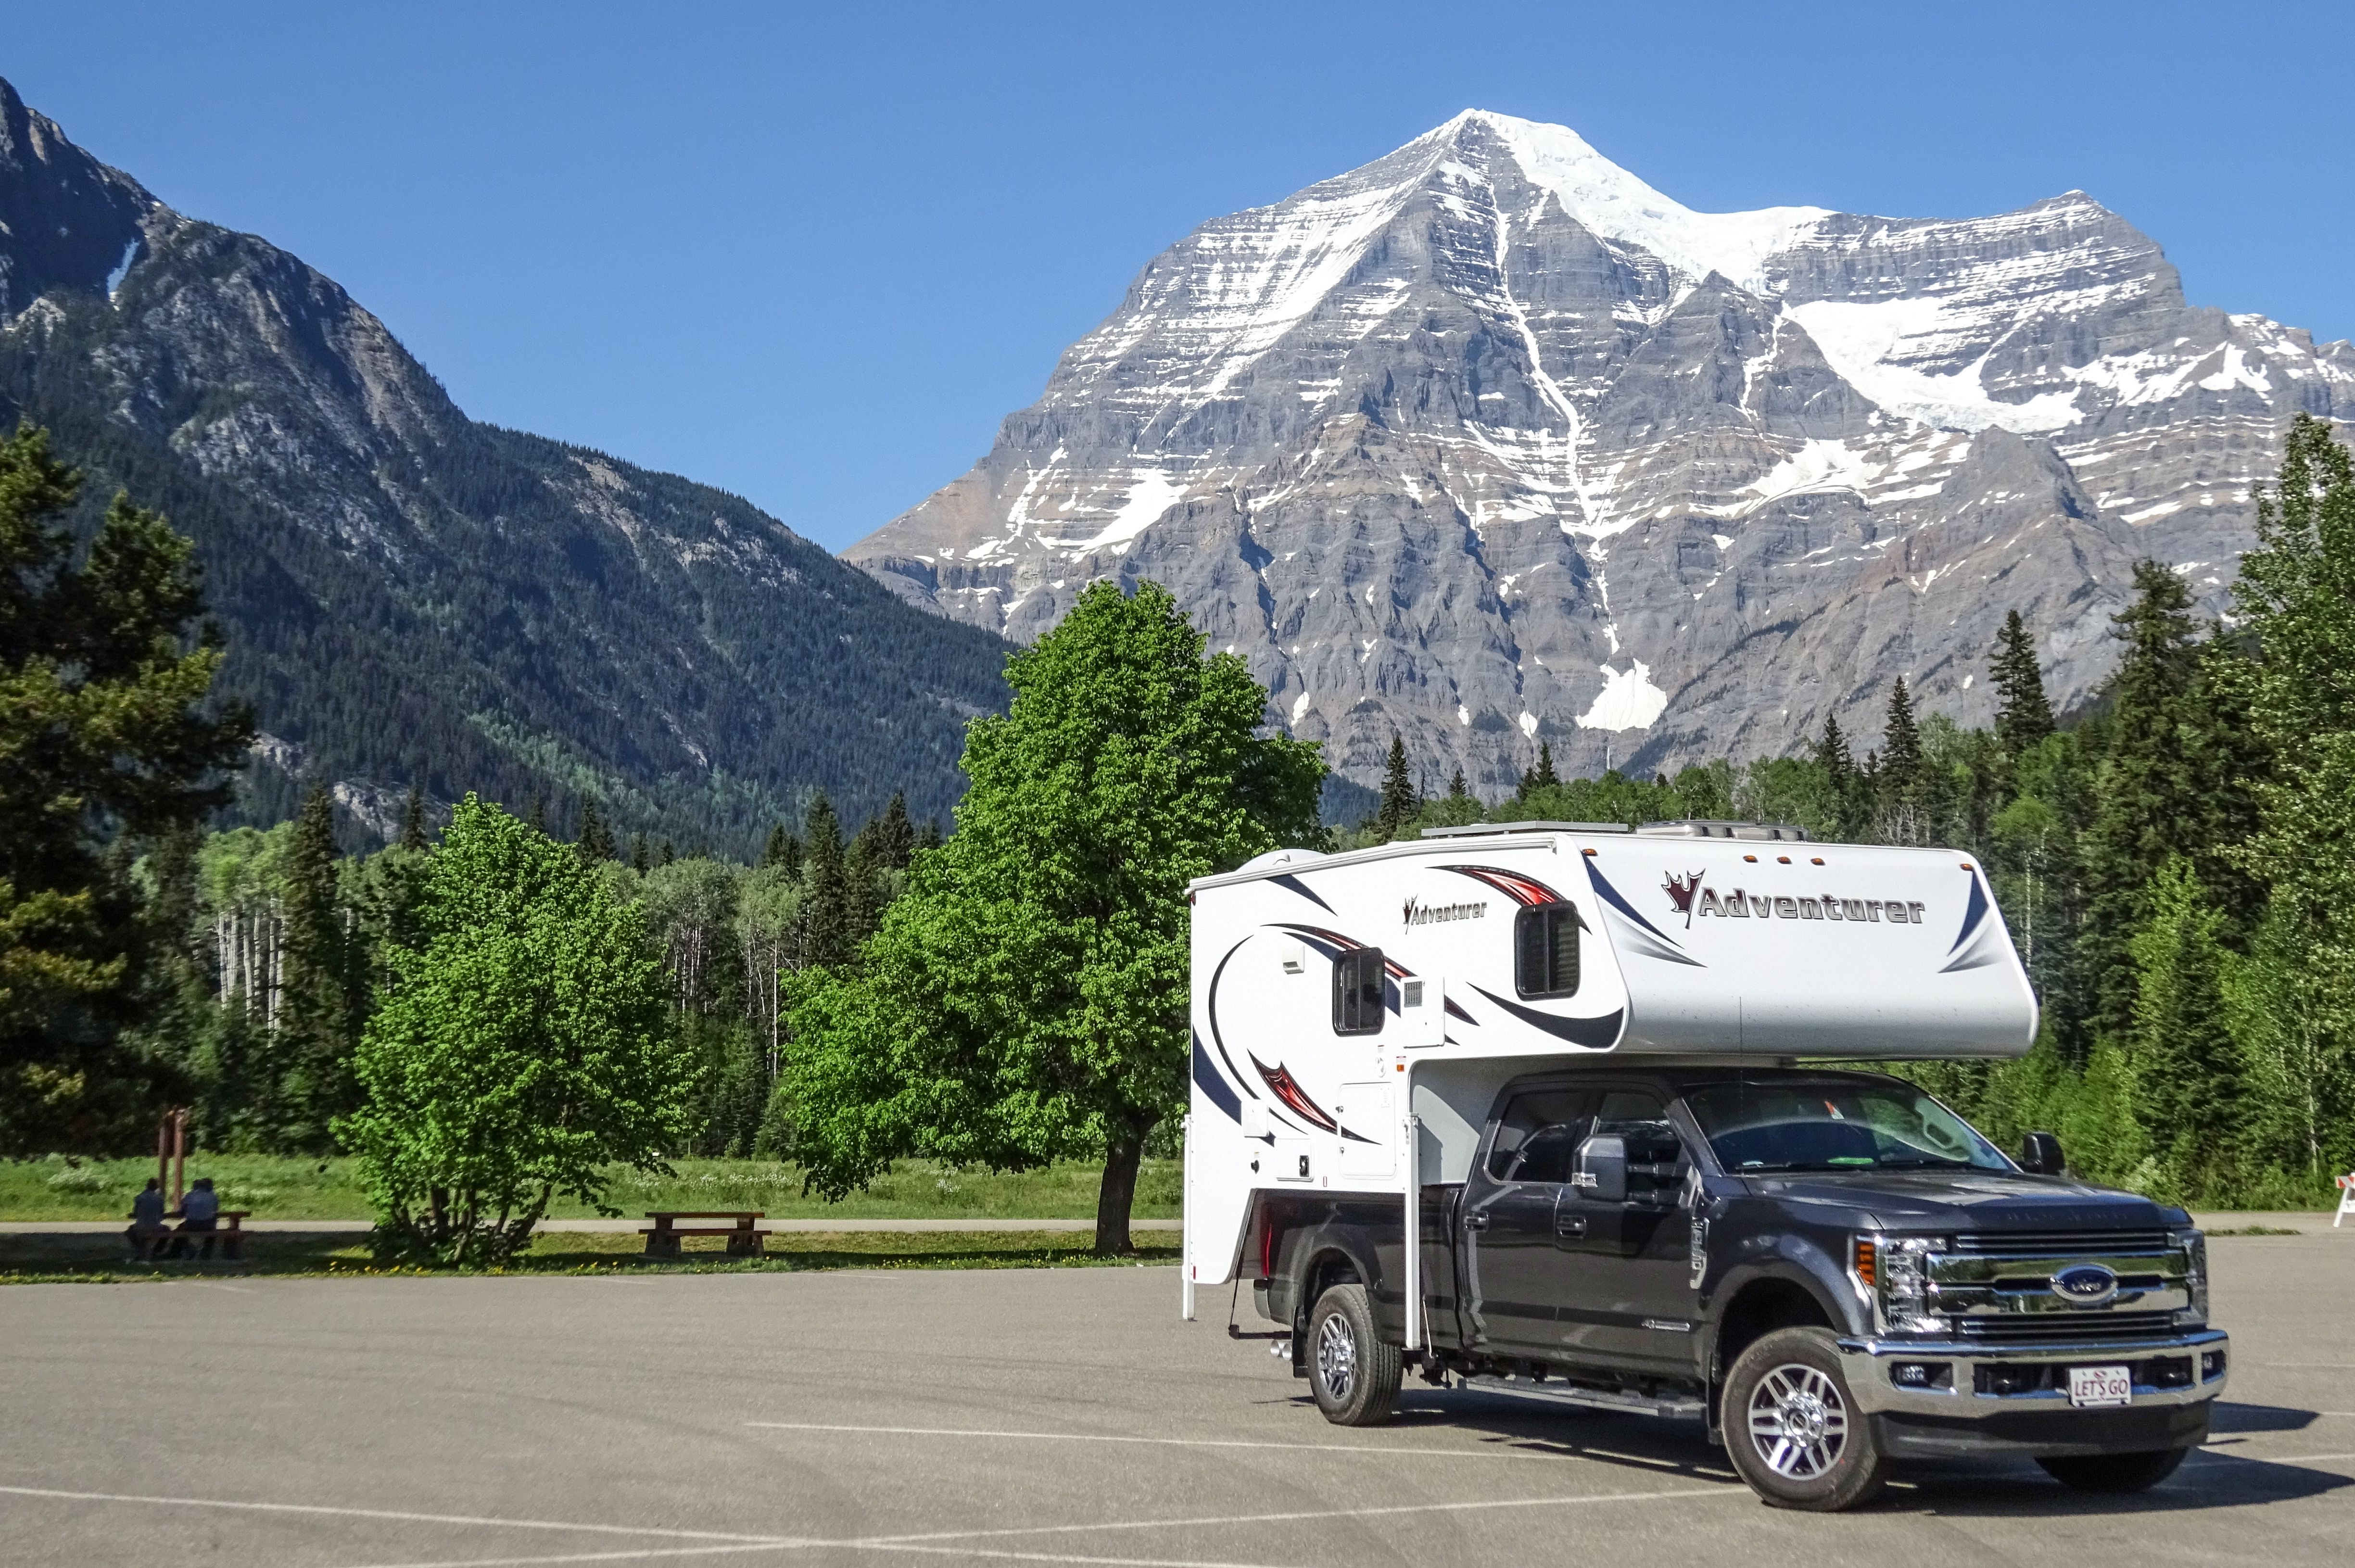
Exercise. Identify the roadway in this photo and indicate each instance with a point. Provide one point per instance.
(990, 1416)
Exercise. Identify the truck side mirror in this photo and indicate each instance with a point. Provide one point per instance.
(2040, 1155)
(1601, 1171)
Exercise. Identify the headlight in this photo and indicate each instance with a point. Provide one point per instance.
(2195, 1258)
(1893, 1271)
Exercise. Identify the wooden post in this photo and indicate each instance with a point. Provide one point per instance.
(179, 1119)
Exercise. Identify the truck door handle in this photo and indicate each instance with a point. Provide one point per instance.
(1569, 1225)
(1475, 1221)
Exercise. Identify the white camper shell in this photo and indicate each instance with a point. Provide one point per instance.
(1355, 1014)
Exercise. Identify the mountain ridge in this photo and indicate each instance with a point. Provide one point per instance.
(1438, 454)
(412, 596)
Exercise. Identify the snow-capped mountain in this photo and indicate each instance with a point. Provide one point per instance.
(1489, 442)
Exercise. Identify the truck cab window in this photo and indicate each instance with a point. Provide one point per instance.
(1357, 992)
(1562, 1115)
(1657, 1167)
(1546, 951)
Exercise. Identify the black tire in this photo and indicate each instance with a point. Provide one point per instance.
(1354, 1373)
(1793, 1428)
(2114, 1472)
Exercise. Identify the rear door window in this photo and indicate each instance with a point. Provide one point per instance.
(1539, 1132)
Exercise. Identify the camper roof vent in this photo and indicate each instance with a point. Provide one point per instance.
(1695, 827)
(1489, 830)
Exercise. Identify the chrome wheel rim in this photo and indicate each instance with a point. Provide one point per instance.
(1798, 1423)
(1337, 1357)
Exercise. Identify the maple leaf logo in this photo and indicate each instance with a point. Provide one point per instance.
(1680, 891)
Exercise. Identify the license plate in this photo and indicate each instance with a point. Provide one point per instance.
(2100, 1385)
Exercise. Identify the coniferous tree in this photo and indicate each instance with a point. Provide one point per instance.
(895, 835)
(639, 862)
(830, 920)
(320, 1005)
(1456, 788)
(930, 838)
(2149, 790)
(1842, 782)
(2022, 716)
(535, 817)
(2187, 1080)
(782, 851)
(669, 854)
(595, 840)
(1541, 777)
(1398, 807)
(412, 818)
(1900, 774)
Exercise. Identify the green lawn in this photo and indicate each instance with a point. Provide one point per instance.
(50, 1259)
(280, 1188)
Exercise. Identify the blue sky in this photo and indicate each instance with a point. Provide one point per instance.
(814, 254)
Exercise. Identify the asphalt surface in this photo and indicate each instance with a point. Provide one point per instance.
(1041, 1416)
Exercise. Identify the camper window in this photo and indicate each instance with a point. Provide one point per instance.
(1546, 948)
(1357, 992)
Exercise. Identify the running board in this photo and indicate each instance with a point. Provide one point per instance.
(1679, 1408)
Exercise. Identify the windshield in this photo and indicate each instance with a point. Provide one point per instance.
(1835, 1123)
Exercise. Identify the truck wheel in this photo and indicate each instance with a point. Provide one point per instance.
(2114, 1472)
(1793, 1428)
(1354, 1373)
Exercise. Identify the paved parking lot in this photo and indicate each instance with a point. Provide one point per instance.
(1048, 1416)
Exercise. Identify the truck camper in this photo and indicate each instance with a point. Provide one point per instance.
(1594, 1071)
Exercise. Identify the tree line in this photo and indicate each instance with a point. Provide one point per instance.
(2176, 862)
(487, 1019)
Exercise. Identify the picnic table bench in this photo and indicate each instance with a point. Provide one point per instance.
(229, 1233)
(744, 1240)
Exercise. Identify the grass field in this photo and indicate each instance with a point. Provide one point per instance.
(274, 1188)
(55, 1259)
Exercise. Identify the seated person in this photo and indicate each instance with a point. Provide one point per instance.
(199, 1212)
(147, 1226)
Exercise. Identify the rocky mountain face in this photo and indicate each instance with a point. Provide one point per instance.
(1489, 442)
(409, 595)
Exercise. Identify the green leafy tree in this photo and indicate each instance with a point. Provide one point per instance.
(105, 734)
(1399, 807)
(520, 1052)
(1027, 1000)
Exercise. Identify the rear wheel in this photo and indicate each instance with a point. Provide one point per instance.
(1793, 1428)
(1353, 1372)
(2114, 1472)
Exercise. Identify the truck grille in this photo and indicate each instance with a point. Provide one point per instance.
(2058, 1243)
(2011, 1330)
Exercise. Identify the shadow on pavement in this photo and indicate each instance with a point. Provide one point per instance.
(2213, 1477)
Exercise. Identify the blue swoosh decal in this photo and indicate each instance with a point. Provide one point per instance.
(1972, 915)
(1609, 895)
(1206, 1079)
(1594, 1032)
(1294, 884)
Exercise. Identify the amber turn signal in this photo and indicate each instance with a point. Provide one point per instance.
(1867, 1256)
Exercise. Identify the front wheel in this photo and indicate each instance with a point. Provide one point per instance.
(1793, 1428)
(1354, 1372)
(2114, 1472)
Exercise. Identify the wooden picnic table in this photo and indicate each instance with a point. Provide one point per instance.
(229, 1234)
(744, 1239)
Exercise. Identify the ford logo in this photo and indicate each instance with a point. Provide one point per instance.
(2086, 1284)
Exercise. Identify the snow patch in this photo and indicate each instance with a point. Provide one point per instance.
(1628, 699)
(1866, 341)
(122, 270)
(1151, 493)
(1615, 204)
(1299, 706)
(1529, 724)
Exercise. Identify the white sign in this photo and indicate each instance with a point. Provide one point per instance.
(2100, 1385)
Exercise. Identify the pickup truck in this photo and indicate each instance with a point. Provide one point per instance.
(1828, 1268)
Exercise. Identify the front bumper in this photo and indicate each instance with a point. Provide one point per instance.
(2014, 1399)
